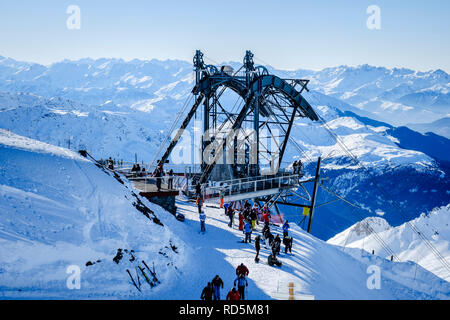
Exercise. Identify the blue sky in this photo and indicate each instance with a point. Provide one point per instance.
(287, 34)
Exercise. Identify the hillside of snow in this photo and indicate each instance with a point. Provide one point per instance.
(59, 210)
(407, 244)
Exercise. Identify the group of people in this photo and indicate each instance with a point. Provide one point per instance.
(160, 173)
(212, 289)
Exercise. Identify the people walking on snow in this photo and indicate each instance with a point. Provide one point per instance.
(202, 217)
(285, 228)
(233, 295)
(287, 241)
(217, 283)
(242, 270)
(272, 260)
(257, 247)
(231, 216)
(241, 284)
(248, 232)
(207, 292)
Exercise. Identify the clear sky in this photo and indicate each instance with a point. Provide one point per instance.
(287, 34)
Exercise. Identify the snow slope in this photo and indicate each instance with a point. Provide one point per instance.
(403, 241)
(58, 209)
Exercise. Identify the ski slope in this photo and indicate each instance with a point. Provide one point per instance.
(58, 210)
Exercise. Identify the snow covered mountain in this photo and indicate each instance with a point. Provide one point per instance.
(60, 211)
(117, 108)
(402, 240)
(440, 127)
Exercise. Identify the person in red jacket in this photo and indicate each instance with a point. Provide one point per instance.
(241, 221)
(233, 295)
(266, 216)
(242, 269)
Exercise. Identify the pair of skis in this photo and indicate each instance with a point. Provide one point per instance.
(153, 282)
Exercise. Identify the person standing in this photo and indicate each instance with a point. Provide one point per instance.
(199, 204)
(202, 221)
(254, 215)
(225, 206)
(221, 196)
(287, 241)
(257, 247)
(276, 243)
(294, 167)
(241, 284)
(231, 216)
(248, 232)
(170, 182)
(217, 283)
(266, 216)
(285, 229)
(207, 292)
(241, 221)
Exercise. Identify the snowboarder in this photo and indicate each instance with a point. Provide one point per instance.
(217, 283)
(285, 229)
(257, 247)
(231, 216)
(242, 270)
(248, 232)
(233, 295)
(272, 260)
(207, 292)
(241, 284)
(202, 217)
(287, 241)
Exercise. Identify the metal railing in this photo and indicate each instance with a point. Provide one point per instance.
(247, 185)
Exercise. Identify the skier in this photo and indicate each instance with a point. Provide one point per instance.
(241, 221)
(242, 270)
(217, 283)
(207, 292)
(257, 247)
(276, 243)
(285, 229)
(202, 217)
(233, 295)
(241, 284)
(231, 216)
(287, 241)
(272, 260)
(248, 232)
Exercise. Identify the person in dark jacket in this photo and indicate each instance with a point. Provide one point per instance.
(276, 244)
(287, 241)
(272, 260)
(170, 181)
(231, 216)
(241, 284)
(207, 292)
(217, 283)
(285, 228)
(257, 247)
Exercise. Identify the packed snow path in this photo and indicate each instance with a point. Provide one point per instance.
(315, 267)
